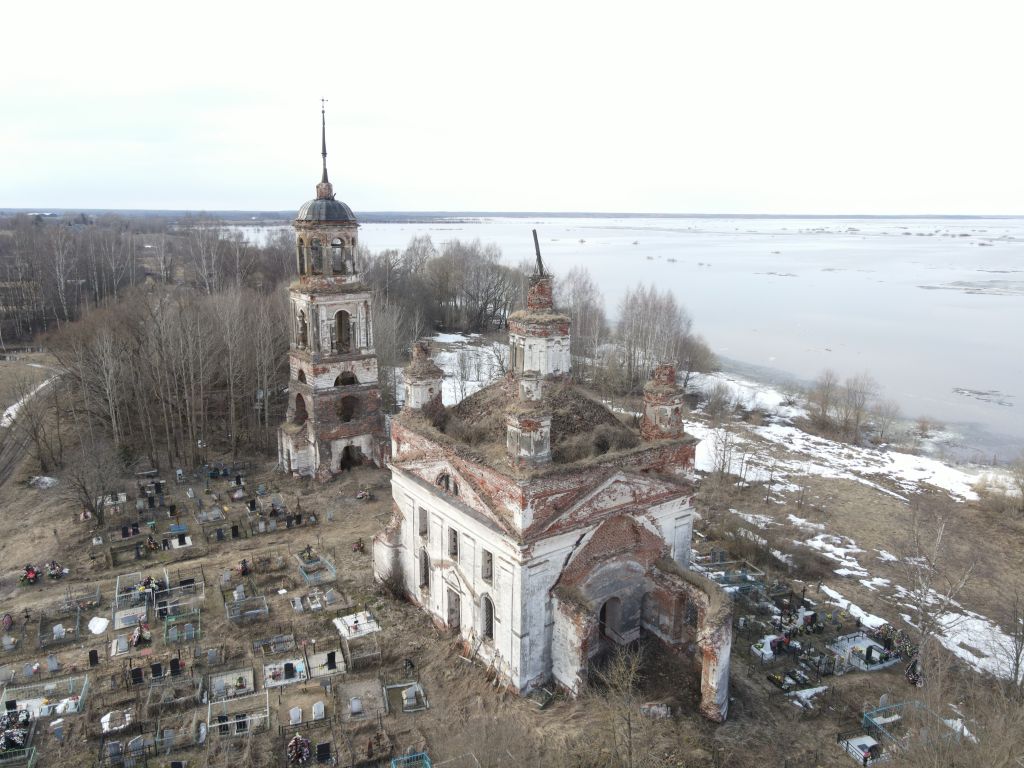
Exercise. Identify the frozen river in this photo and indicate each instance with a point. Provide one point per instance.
(932, 308)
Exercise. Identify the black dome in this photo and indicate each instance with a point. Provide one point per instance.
(325, 209)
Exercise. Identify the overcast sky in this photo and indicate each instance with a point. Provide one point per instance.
(777, 107)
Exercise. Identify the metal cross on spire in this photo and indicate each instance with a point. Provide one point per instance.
(323, 136)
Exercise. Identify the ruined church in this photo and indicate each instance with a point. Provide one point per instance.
(333, 419)
(545, 532)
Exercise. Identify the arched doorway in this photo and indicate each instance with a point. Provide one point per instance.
(300, 410)
(343, 332)
(609, 620)
(351, 456)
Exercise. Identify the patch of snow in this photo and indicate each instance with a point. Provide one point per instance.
(758, 521)
(804, 698)
(42, 482)
(887, 557)
(875, 582)
(867, 619)
(800, 522)
(12, 410)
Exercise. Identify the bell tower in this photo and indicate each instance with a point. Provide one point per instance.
(333, 419)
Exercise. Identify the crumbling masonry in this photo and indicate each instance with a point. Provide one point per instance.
(334, 419)
(541, 529)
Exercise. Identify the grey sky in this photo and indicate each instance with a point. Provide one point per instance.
(786, 107)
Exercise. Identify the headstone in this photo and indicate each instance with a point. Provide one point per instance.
(318, 710)
(52, 664)
(190, 632)
(289, 671)
(136, 675)
(323, 752)
(181, 540)
(59, 632)
(175, 667)
(332, 660)
(234, 532)
(294, 715)
(220, 534)
(355, 706)
(156, 670)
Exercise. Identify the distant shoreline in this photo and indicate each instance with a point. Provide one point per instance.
(265, 217)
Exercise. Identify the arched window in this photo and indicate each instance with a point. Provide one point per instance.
(487, 609)
(448, 483)
(301, 248)
(348, 408)
(301, 377)
(337, 256)
(342, 332)
(303, 338)
(347, 378)
(424, 568)
(316, 256)
(300, 410)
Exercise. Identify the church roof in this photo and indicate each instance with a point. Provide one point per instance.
(580, 427)
(325, 210)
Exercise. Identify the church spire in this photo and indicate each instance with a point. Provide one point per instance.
(324, 190)
(323, 137)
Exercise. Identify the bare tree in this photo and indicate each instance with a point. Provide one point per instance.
(94, 475)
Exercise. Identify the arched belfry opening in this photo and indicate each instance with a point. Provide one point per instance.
(316, 256)
(347, 378)
(301, 255)
(301, 377)
(300, 410)
(348, 408)
(302, 337)
(338, 256)
(342, 332)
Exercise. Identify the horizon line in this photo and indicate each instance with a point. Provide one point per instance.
(287, 213)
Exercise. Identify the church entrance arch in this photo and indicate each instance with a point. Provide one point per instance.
(609, 620)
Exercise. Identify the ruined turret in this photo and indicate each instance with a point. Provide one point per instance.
(423, 379)
(538, 336)
(663, 406)
(528, 437)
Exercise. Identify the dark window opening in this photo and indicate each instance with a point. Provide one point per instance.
(301, 377)
(487, 567)
(424, 568)
(337, 256)
(488, 622)
(316, 256)
(453, 544)
(343, 332)
(347, 378)
(423, 522)
(300, 410)
(447, 483)
(348, 408)
(303, 338)
(301, 248)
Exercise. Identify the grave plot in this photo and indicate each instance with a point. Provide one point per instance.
(185, 591)
(360, 638)
(59, 624)
(329, 599)
(180, 727)
(17, 731)
(112, 713)
(232, 683)
(361, 700)
(404, 696)
(315, 568)
(859, 651)
(737, 577)
(289, 667)
(242, 603)
(182, 628)
(416, 760)
(133, 595)
(169, 693)
(239, 717)
(369, 743)
(326, 658)
(302, 741)
(51, 698)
